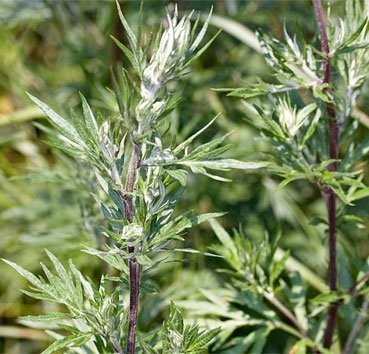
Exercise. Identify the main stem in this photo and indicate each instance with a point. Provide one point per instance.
(329, 195)
(134, 267)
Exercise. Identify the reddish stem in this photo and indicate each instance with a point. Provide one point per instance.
(328, 193)
(134, 267)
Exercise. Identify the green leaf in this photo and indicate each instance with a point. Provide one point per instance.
(70, 341)
(199, 52)
(147, 348)
(86, 288)
(255, 303)
(145, 261)
(134, 56)
(68, 284)
(329, 297)
(360, 194)
(60, 123)
(260, 88)
(51, 316)
(90, 119)
(112, 259)
(179, 175)
(300, 347)
(131, 36)
(191, 250)
(318, 221)
(352, 156)
(201, 34)
(199, 219)
(293, 176)
(297, 297)
(321, 92)
(312, 128)
(224, 237)
(130, 56)
(203, 340)
(40, 296)
(26, 274)
(277, 266)
(189, 140)
(349, 45)
(259, 344)
(71, 151)
(225, 164)
(244, 343)
(202, 171)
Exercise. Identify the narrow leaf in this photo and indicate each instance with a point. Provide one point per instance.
(60, 123)
(69, 341)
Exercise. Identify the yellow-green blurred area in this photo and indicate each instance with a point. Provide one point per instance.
(56, 48)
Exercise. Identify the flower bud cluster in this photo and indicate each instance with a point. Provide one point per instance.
(111, 152)
(168, 58)
(167, 62)
(291, 119)
(288, 118)
(132, 234)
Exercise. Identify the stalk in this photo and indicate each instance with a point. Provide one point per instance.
(328, 194)
(134, 267)
(286, 312)
(349, 345)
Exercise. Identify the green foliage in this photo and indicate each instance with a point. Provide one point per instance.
(260, 288)
(137, 195)
(299, 121)
(95, 316)
(178, 338)
(298, 131)
(256, 275)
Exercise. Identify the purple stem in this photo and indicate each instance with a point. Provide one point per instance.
(134, 267)
(328, 193)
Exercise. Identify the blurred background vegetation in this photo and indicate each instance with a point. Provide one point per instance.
(55, 48)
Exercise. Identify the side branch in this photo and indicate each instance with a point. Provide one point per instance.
(358, 282)
(286, 312)
(356, 328)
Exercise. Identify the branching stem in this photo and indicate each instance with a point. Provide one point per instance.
(328, 193)
(117, 346)
(356, 327)
(281, 307)
(302, 332)
(358, 282)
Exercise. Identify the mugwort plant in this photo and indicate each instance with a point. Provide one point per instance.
(139, 176)
(139, 172)
(308, 119)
